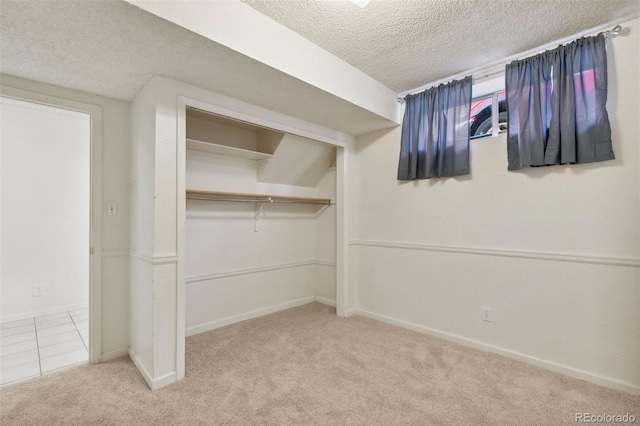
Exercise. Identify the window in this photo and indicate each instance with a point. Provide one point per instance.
(557, 106)
(488, 115)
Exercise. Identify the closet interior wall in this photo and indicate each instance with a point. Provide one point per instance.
(246, 259)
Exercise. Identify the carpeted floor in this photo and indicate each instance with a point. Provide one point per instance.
(307, 366)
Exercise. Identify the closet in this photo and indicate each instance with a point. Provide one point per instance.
(260, 221)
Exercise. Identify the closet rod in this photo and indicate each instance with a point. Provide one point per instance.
(254, 198)
(261, 200)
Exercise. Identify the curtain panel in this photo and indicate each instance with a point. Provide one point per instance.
(435, 132)
(556, 105)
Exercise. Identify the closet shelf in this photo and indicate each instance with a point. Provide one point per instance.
(215, 148)
(253, 198)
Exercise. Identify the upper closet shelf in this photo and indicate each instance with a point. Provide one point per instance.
(258, 198)
(225, 150)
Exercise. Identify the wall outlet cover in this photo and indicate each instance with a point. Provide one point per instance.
(486, 314)
(38, 290)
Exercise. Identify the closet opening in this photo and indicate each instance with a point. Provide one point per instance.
(259, 221)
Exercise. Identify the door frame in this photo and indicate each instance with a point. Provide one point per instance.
(95, 231)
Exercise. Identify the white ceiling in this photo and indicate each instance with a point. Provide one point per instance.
(112, 48)
(405, 44)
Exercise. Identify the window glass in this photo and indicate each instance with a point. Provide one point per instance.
(482, 111)
(481, 116)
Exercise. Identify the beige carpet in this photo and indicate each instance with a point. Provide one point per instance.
(307, 366)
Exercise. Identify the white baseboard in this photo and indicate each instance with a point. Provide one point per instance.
(325, 301)
(116, 353)
(163, 381)
(51, 311)
(201, 328)
(154, 384)
(143, 371)
(548, 365)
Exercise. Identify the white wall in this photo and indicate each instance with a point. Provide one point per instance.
(115, 229)
(552, 251)
(45, 208)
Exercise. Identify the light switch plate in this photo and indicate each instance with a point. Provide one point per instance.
(112, 209)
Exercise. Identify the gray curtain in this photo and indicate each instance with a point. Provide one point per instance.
(556, 104)
(435, 132)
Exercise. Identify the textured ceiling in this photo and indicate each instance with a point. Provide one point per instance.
(112, 48)
(405, 44)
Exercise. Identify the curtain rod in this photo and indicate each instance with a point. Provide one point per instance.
(486, 70)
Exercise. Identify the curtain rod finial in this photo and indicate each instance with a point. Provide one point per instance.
(614, 31)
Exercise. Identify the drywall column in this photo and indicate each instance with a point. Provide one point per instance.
(153, 242)
(141, 236)
(345, 183)
(165, 243)
(325, 268)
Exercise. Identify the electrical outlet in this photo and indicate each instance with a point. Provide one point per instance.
(486, 314)
(38, 290)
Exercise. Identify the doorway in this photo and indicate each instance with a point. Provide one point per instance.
(46, 264)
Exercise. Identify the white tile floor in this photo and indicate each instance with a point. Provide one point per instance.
(36, 346)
